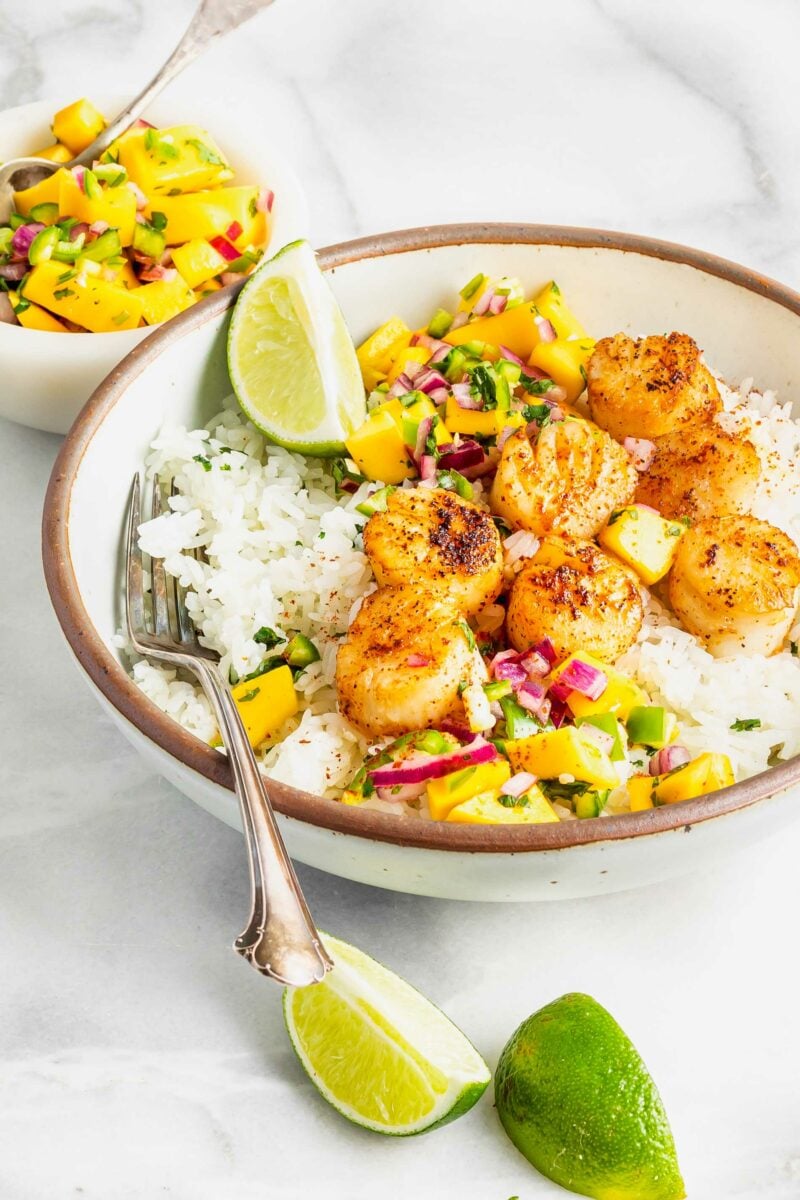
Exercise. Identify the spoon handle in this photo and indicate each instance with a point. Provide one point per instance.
(212, 20)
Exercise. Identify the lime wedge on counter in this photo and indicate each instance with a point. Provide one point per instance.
(576, 1099)
(378, 1051)
(291, 359)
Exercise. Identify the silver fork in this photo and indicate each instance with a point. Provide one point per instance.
(280, 939)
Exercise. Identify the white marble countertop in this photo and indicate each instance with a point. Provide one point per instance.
(138, 1056)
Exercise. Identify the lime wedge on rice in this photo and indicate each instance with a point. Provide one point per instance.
(291, 360)
(378, 1051)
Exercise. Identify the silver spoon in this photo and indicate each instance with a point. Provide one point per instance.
(213, 19)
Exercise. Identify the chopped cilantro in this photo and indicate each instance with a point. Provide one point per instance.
(555, 790)
(554, 288)
(252, 207)
(251, 695)
(536, 387)
(121, 317)
(268, 637)
(63, 293)
(467, 632)
(745, 724)
(204, 462)
(204, 153)
(513, 801)
(540, 413)
(158, 221)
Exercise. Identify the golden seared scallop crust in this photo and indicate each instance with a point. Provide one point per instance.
(735, 582)
(700, 472)
(435, 538)
(650, 387)
(568, 479)
(579, 597)
(406, 654)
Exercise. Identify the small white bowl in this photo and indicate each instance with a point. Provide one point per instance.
(748, 325)
(48, 377)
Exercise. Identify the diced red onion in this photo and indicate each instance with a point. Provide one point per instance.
(427, 467)
(440, 354)
(76, 231)
(423, 429)
(265, 200)
(459, 319)
(156, 272)
(476, 752)
(438, 395)
(534, 663)
(535, 372)
(468, 454)
(412, 370)
(497, 304)
(641, 451)
(233, 231)
(532, 696)
(506, 665)
(600, 738)
(462, 394)
(668, 759)
(521, 544)
(14, 271)
(553, 397)
(77, 173)
(515, 358)
(98, 227)
(579, 676)
(417, 660)
(504, 434)
(428, 380)
(547, 650)
(481, 305)
(223, 247)
(558, 711)
(457, 730)
(488, 466)
(430, 343)
(559, 692)
(519, 784)
(647, 508)
(545, 329)
(140, 123)
(21, 241)
(7, 314)
(401, 385)
(141, 199)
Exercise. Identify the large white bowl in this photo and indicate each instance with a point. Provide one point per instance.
(748, 326)
(46, 378)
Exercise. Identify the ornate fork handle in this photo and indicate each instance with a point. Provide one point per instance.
(212, 20)
(280, 939)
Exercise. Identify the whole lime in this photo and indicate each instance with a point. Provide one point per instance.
(576, 1099)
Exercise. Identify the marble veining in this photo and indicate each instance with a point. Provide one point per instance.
(138, 1056)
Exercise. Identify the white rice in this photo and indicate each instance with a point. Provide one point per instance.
(285, 552)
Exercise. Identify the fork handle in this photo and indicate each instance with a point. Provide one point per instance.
(212, 20)
(280, 939)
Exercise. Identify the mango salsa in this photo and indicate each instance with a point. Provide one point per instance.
(166, 162)
(642, 539)
(33, 317)
(378, 449)
(265, 702)
(88, 300)
(445, 793)
(515, 328)
(409, 354)
(164, 299)
(376, 355)
(565, 363)
(707, 773)
(565, 751)
(198, 261)
(114, 205)
(492, 808)
(78, 125)
(550, 304)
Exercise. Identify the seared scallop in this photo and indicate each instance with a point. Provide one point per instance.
(735, 583)
(567, 479)
(650, 387)
(435, 538)
(700, 472)
(577, 596)
(406, 655)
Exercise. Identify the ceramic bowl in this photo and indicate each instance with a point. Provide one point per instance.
(747, 325)
(47, 377)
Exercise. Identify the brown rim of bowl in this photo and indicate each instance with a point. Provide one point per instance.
(110, 678)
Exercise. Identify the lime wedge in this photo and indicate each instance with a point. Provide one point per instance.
(291, 359)
(378, 1051)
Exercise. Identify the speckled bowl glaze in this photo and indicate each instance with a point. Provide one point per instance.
(748, 326)
(46, 378)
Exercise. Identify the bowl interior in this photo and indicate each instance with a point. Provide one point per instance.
(178, 376)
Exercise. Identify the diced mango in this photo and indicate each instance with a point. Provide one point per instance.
(78, 125)
(115, 205)
(415, 354)
(168, 162)
(57, 153)
(475, 421)
(126, 276)
(640, 792)
(265, 702)
(46, 192)
(164, 299)
(564, 363)
(643, 540)
(198, 261)
(515, 328)
(378, 449)
(87, 300)
(209, 214)
(707, 773)
(376, 355)
(550, 304)
(533, 809)
(565, 751)
(445, 793)
(34, 317)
